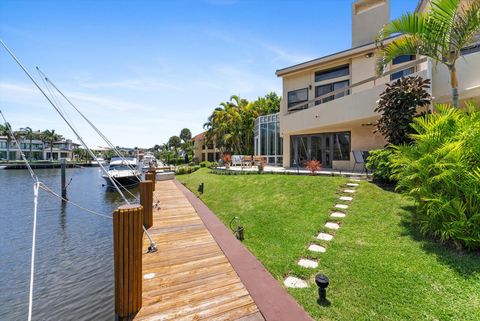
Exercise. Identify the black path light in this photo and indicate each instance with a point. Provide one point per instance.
(200, 188)
(322, 282)
(238, 231)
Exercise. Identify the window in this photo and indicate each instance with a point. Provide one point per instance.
(341, 146)
(325, 89)
(210, 146)
(402, 59)
(402, 73)
(332, 73)
(297, 96)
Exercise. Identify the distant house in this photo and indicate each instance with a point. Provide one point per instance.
(327, 110)
(37, 149)
(203, 150)
(61, 150)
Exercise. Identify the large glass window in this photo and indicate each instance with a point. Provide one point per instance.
(263, 139)
(325, 89)
(341, 146)
(332, 73)
(297, 96)
(267, 140)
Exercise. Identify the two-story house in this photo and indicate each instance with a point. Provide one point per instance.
(204, 150)
(327, 110)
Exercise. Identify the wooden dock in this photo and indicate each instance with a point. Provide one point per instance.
(189, 277)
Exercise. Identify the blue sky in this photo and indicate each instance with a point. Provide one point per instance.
(143, 70)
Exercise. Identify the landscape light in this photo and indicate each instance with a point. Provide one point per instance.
(322, 282)
(200, 188)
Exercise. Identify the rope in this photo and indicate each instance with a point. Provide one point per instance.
(36, 186)
(49, 190)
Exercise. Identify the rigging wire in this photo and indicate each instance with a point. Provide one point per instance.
(110, 144)
(152, 247)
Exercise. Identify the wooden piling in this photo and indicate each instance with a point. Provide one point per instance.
(63, 178)
(150, 176)
(154, 173)
(127, 256)
(146, 200)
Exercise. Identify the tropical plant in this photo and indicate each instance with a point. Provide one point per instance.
(174, 143)
(231, 125)
(50, 137)
(187, 144)
(441, 171)
(6, 130)
(398, 106)
(440, 33)
(28, 133)
(313, 166)
(380, 165)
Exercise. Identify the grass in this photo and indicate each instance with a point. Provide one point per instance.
(379, 267)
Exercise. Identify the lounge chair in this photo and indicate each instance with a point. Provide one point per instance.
(359, 160)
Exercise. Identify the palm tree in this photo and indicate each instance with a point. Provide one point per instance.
(28, 133)
(175, 143)
(6, 130)
(440, 34)
(50, 137)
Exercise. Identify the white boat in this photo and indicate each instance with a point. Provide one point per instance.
(101, 160)
(124, 172)
(149, 160)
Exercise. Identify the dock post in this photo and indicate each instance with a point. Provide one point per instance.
(127, 257)
(146, 200)
(154, 173)
(62, 170)
(150, 176)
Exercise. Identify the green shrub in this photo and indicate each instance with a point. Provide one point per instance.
(186, 169)
(213, 165)
(205, 164)
(441, 171)
(379, 164)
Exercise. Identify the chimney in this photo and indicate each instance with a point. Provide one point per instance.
(368, 17)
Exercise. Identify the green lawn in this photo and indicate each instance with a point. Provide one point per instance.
(379, 267)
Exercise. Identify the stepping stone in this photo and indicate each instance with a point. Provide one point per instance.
(331, 225)
(306, 263)
(342, 206)
(355, 180)
(346, 198)
(317, 248)
(324, 237)
(338, 214)
(352, 184)
(293, 282)
(349, 191)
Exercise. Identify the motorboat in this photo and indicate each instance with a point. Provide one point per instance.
(123, 171)
(149, 160)
(100, 161)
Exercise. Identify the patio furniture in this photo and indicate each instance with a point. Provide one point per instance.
(237, 160)
(248, 160)
(359, 160)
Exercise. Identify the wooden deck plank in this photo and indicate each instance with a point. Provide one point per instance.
(189, 277)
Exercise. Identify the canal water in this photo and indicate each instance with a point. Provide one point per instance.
(74, 256)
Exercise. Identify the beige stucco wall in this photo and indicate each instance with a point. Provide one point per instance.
(368, 17)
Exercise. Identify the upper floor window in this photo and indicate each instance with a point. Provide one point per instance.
(328, 88)
(402, 73)
(402, 59)
(332, 73)
(298, 96)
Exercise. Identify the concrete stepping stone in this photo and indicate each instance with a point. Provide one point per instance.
(352, 184)
(338, 214)
(317, 248)
(355, 179)
(349, 191)
(294, 282)
(346, 198)
(331, 225)
(324, 237)
(342, 206)
(306, 263)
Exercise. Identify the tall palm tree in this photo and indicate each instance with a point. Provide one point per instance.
(6, 130)
(439, 33)
(28, 133)
(50, 137)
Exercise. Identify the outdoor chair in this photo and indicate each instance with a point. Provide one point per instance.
(247, 160)
(237, 160)
(359, 160)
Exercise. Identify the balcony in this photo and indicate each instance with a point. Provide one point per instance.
(357, 104)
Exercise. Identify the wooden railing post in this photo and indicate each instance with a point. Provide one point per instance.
(127, 257)
(146, 200)
(149, 176)
(154, 173)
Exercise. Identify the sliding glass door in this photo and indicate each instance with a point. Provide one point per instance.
(324, 147)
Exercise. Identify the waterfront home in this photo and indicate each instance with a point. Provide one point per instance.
(40, 150)
(203, 150)
(327, 110)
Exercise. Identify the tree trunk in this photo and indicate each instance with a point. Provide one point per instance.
(454, 84)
